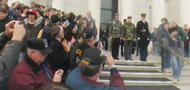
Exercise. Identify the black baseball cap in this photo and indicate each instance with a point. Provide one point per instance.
(54, 19)
(87, 33)
(93, 56)
(39, 44)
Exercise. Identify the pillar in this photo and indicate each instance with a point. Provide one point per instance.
(95, 7)
(184, 12)
(59, 4)
(125, 8)
(158, 12)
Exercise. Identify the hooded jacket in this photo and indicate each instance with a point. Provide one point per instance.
(31, 31)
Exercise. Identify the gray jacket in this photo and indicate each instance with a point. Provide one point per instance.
(173, 43)
(9, 59)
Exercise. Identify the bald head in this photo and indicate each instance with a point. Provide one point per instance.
(89, 13)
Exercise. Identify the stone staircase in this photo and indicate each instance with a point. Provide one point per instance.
(139, 75)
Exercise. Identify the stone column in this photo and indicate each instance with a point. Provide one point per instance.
(95, 7)
(59, 4)
(184, 12)
(125, 8)
(158, 12)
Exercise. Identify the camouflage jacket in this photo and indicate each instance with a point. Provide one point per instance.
(115, 29)
(129, 32)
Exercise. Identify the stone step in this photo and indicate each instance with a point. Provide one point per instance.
(142, 83)
(138, 62)
(125, 67)
(137, 78)
(123, 62)
(140, 74)
(152, 88)
(146, 71)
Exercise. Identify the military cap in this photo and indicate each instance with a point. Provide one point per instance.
(143, 14)
(116, 14)
(129, 17)
(125, 20)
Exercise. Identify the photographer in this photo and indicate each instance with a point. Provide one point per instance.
(85, 77)
(9, 57)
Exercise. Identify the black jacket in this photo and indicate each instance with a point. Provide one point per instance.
(31, 31)
(3, 22)
(162, 35)
(77, 55)
(46, 32)
(58, 59)
(3, 40)
(173, 43)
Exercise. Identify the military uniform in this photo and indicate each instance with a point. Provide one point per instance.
(129, 35)
(143, 38)
(115, 31)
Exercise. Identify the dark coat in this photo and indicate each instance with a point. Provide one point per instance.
(173, 43)
(27, 75)
(77, 54)
(30, 31)
(3, 40)
(43, 21)
(162, 35)
(46, 32)
(58, 59)
(3, 22)
(144, 36)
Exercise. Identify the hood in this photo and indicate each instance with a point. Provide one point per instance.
(26, 22)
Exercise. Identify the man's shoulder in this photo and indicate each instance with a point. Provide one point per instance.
(73, 76)
(21, 68)
(83, 46)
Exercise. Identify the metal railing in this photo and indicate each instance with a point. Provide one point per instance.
(181, 57)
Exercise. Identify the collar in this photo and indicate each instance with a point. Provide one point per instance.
(86, 45)
(35, 67)
(35, 24)
(91, 81)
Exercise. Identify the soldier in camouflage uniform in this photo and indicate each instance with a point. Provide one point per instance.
(115, 32)
(129, 37)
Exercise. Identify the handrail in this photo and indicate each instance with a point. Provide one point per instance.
(182, 58)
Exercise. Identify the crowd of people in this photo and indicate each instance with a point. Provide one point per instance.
(169, 43)
(46, 49)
